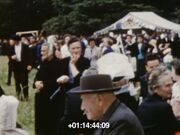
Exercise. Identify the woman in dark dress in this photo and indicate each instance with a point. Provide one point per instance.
(48, 108)
(155, 113)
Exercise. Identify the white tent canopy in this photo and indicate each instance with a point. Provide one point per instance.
(134, 20)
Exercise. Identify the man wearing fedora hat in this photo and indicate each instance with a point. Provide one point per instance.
(100, 104)
(21, 64)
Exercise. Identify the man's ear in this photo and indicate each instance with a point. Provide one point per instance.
(100, 99)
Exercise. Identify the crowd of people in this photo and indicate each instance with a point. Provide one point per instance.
(130, 81)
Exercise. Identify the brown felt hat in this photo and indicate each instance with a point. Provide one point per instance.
(95, 84)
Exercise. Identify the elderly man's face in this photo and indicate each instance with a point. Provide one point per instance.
(91, 106)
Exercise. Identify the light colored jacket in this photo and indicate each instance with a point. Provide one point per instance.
(92, 54)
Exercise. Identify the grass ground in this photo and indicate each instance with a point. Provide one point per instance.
(25, 109)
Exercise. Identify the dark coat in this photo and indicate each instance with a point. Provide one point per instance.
(156, 116)
(48, 72)
(144, 85)
(72, 103)
(122, 121)
(5, 49)
(33, 51)
(81, 64)
(48, 112)
(26, 59)
(135, 51)
(140, 62)
(20, 70)
(175, 46)
(128, 100)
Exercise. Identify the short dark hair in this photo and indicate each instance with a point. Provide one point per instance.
(91, 39)
(151, 57)
(128, 35)
(72, 40)
(176, 66)
(140, 35)
(15, 38)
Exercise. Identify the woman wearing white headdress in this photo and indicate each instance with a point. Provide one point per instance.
(8, 114)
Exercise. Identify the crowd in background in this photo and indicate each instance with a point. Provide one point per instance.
(60, 61)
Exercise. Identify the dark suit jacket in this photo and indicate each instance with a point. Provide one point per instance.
(48, 111)
(144, 85)
(48, 72)
(156, 116)
(122, 121)
(81, 64)
(26, 59)
(135, 51)
(175, 46)
(72, 103)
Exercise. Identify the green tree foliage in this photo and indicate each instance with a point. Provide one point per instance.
(23, 15)
(4, 18)
(84, 16)
(87, 16)
(76, 16)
